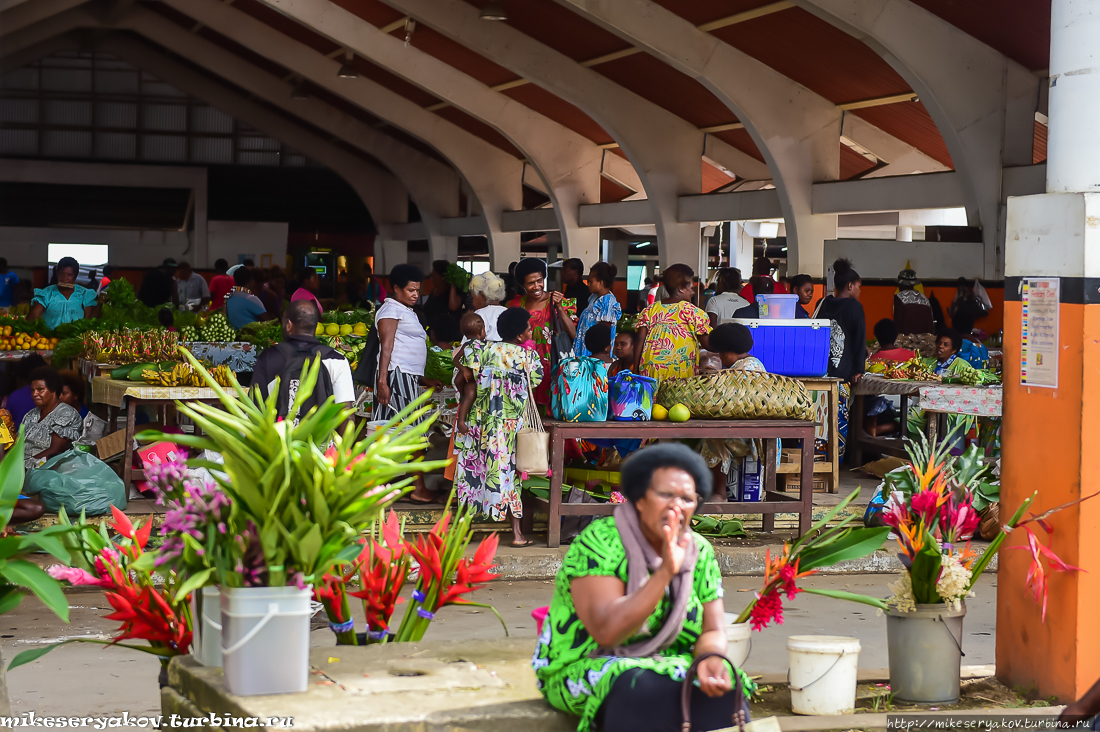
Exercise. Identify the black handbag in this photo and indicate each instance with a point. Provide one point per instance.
(561, 345)
(741, 715)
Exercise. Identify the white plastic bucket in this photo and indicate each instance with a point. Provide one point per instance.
(265, 639)
(738, 642)
(822, 674)
(206, 641)
(777, 307)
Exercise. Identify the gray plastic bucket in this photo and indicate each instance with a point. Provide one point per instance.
(926, 653)
(206, 641)
(265, 639)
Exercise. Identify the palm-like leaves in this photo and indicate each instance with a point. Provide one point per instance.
(309, 500)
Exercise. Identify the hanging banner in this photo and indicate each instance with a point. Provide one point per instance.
(1039, 347)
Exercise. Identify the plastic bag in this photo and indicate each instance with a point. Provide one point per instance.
(78, 481)
(94, 429)
(630, 397)
(982, 296)
(579, 393)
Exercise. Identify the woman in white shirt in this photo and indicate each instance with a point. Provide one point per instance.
(403, 352)
(486, 292)
(726, 301)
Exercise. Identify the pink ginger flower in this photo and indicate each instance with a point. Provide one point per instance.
(76, 576)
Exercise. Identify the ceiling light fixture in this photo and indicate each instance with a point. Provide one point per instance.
(410, 26)
(494, 10)
(346, 71)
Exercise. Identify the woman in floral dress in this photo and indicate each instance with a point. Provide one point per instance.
(670, 331)
(531, 275)
(498, 377)
(602, 306)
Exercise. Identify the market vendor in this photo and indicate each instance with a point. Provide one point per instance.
(242, 306)
(671, 330)
(63, 301)
(948, 343)
(638, 596)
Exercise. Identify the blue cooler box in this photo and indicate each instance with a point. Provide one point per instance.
(791, 347)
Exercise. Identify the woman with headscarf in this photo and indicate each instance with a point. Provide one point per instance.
(637, 599)
(486, 292)
(543, 305)
(498, 377)
(64, 301)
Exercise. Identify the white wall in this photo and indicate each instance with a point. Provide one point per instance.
(228, 239)
(932, 260)
(26, 246)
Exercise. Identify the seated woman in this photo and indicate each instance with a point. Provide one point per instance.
(50, 429)
(638, 596)
(948, 343)
(732, 342)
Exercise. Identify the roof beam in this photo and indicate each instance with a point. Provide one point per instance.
(26, 14)
(879, 101)
(493, 175)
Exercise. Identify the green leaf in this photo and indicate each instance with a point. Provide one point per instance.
(826, 519)
(850, 596)
(35, 653)
(144, 564)
(11, 478)
(10, 597)
(854, 544)
(309, 547)
(925, 571)
(51, 544)
(192, 583)
(25, 574)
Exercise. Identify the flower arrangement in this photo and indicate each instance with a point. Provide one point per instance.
(933, 515)
(292, 496)
(147, 609)
(445, 576)
(821, 546)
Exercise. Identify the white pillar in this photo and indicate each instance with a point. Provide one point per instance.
(1073, 145)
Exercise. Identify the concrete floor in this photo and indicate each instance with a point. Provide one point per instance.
(92, 679)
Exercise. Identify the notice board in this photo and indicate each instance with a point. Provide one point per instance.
(1039, 357)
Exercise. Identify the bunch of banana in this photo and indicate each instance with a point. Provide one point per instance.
(222, 375)
(179, 375)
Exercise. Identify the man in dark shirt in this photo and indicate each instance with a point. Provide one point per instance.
(912, 311)
(572, 282)
(159, 285)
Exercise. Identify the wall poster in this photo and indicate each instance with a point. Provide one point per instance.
(1039, 342)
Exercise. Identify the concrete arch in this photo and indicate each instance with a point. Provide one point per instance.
(986, 116)
(665, 149)
(797, 131)
(491, 174)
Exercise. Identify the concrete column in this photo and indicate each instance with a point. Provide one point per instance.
(1050, 433)
(986, 115)
(620, 257)
(390, 253)
(1073, 142)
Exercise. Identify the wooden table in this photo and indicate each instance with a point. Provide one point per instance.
(773, 503)
(116, 394)
(872, 385)
(831, 466)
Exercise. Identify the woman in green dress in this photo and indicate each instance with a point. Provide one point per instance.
(497, 379)
(638, 596)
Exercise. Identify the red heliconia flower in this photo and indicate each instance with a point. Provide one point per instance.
(768, 608)
(1036, 573)
(926, 504)
(472, 574)
(146, 615)
(382, 571)
(958, 520)
(125, 527)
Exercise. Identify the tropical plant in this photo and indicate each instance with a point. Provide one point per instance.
(821, 546)
(18, 576)
(934, 522)
(148, 608)
(301, 491)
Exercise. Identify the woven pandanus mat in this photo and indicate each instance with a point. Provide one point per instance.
(738, 395)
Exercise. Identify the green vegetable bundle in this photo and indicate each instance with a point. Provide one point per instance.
(262, 334)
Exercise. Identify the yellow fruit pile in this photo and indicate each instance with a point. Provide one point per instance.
(183, 374)
(10, 341)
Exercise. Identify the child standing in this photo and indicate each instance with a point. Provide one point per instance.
(597, 340)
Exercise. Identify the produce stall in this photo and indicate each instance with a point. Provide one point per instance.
(773, 501)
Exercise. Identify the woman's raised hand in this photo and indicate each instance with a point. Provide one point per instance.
(674, 549)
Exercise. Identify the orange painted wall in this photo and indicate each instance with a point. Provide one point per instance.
(1049, 439)
(878, 303)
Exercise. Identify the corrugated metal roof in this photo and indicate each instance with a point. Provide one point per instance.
(1020, 29)
(479, 128)
(18, 142)
(286, 25)
(66, 144)
(559, 110)
(909, 122)
(817, 55)
(115, 145)
(374, 12)
(1039, 144)
(713, 178)
(742, 140)
(852, 163)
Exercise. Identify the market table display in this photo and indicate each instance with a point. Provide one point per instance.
(773, 503)
(829, 419)
(20, 355)
(116, 394)
(940, 400)
(873, 385)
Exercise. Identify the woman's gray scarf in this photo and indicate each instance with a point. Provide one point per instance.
(641, 561)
